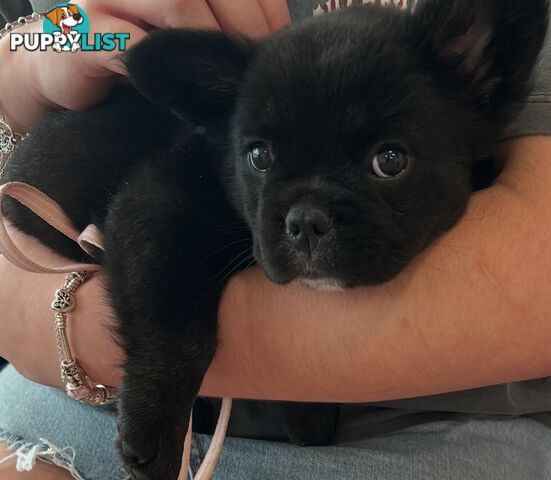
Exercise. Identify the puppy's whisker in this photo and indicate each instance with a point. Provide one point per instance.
(238, 266)
(237, 258)
(224, 247)
(235, 268)
(228, 228)
(252, 263)
(232, 270)
(220, 234)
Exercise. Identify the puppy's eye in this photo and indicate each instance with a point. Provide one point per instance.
(260, 157)
(390, 163)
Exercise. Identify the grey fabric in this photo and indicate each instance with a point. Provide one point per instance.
(43, 5)
(11, 10)
(301, 9)
(474, 449)
(536, 115)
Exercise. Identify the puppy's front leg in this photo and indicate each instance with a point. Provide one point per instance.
(163, 295)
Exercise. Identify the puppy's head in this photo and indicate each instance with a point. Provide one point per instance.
(353, 136)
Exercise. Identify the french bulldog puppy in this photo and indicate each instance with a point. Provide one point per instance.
(331, 153)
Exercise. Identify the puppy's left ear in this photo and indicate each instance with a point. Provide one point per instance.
(194, 74)
(488, 47)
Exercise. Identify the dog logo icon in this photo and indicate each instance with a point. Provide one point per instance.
(64, 21)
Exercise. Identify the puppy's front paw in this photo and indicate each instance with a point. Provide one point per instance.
(149, 451)
(75, 47)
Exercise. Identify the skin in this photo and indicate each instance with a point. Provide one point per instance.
(41, 471)
(485, 322)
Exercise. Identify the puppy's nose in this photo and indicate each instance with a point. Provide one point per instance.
(77, 16)
(306, 226)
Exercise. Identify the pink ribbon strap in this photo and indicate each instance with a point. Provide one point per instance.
(49, 211)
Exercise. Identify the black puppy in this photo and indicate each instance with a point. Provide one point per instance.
(333, 153)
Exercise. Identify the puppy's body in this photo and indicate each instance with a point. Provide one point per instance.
(333, 152)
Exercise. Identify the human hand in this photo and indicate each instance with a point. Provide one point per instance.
(41, 82)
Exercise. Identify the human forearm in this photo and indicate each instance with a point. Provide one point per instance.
(472, 311)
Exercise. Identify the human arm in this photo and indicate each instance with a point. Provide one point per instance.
(471, 311)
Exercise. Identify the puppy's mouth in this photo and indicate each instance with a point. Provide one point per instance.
(283, 266)
(286, 272)
(323, 284)
(66, 29)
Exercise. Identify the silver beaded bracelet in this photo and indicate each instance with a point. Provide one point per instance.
(8, 138)
(20, 22)
(77, 384)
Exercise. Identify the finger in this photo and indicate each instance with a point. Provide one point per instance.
(162, 14)
(81, 79)
(276, 13)
(104, 63)
(244, 17)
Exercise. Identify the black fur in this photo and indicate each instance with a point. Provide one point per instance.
(166, 175)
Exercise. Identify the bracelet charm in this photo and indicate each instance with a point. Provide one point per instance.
(8, 141)
(77, 384)
(7, 138)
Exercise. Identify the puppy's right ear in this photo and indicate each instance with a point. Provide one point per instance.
(194, 74)
(489, 46)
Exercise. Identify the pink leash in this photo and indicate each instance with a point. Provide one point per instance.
(49, 211)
